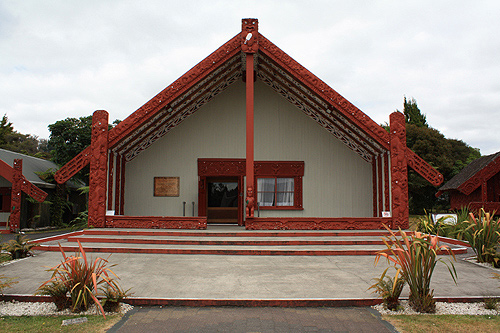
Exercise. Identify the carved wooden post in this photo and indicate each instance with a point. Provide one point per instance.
(111, 165)
(98, 169)
(386, 183)
(118, 182)
(250, 45)
(399, 171)
(15, 199)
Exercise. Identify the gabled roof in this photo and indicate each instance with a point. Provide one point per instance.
(31, 166)
(217, 72)
(474, 174)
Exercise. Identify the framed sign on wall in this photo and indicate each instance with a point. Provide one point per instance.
(166, 187)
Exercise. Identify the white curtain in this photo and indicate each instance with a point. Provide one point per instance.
(284, 190)
(265, 191)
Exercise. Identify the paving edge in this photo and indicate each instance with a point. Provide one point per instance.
(285, 302)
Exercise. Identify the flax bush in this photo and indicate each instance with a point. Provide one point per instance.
(483, 234)
(81, 278)
(415, 257)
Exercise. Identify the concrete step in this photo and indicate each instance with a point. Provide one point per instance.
(203, 240)
(223, 241)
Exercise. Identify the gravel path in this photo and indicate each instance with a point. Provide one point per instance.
(443, 308)
(15, 308)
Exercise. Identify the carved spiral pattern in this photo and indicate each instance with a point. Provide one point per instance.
(98, 169)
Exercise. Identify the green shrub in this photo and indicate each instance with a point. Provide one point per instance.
(59, 293)
(483, 235)
(415, 257)
(6, 282)
(389, 289)
(19, 247)
(113, 296)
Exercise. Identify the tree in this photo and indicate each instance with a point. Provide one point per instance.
(448, 156)
(412, 113)
(6, 128)
(26, 144)
(68, 138)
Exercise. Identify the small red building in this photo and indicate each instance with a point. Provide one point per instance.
(476, 186)
(248, 136)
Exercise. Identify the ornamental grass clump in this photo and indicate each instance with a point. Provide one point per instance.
(483, 234)
(389, 289)
(415, 257)
(81, 278)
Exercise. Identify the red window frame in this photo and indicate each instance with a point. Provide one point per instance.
(281, 169)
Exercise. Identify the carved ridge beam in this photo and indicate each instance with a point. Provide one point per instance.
(272, 69)
(179, 87)
(482, 176)
(147, 133)
(325, 91)
(423, 168)
(326, 124)
(180, 117)
(327, 117)
(178, 103)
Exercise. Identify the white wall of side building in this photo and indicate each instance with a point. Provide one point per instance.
(337, 182)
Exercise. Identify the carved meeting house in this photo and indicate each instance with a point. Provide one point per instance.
(250, 137)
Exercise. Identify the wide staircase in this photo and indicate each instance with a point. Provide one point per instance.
(224, 240)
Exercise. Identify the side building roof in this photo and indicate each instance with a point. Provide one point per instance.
(472, 175)
(33, 165)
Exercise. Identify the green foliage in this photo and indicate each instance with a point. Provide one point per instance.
(69, 137)
(448, 156)
(113, 296)
(82, 278)
(415, 257)
(412, 113)
(490, 303)
(20, 247)
(483, 235)
(58, 199)
(81, 221)
(59, 293)
(6, 282)
(6, 128)
(389, 289)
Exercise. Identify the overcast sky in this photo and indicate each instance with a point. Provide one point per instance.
(62, 59)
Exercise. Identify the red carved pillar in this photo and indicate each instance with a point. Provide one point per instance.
(379, 180)
(399, 171)
(110, 180)
(249, 45)
(118, 183)
(122, 188)
(15, 199)
(484, 192)
(374, 186)
(386, 183)
(98, 169)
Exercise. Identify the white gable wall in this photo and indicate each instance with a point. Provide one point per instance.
(337, 182)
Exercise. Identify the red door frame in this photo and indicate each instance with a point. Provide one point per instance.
(220, 168)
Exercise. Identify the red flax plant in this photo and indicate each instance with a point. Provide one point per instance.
(82, 278)
(415, 257)
(483, 234)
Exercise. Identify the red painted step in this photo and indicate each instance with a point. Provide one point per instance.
(222, 242)
(243, 233)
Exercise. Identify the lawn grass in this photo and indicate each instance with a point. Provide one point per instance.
(53, 324)
(444, 323)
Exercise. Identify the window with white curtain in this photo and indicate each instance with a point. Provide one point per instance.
(275, 192)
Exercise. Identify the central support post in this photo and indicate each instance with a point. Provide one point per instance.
(250, 136)
(249, 45)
